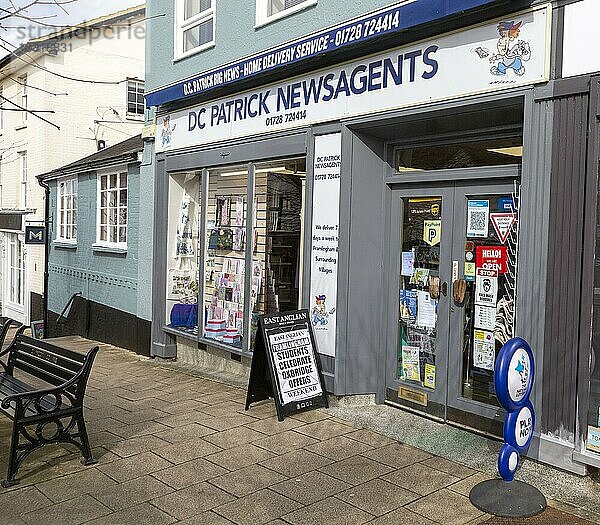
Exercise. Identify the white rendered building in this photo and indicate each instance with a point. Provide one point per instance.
(87, 82)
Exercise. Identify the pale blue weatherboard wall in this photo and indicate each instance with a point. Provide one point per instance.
(107, 278)
(235, 35)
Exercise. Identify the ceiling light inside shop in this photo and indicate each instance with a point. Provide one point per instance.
(515, 151)
(279, 169)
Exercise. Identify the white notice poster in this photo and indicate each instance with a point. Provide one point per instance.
(324, 246)
(483, 349)
(485, 317)
(297, 372)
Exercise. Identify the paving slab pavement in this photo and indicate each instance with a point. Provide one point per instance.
(176, 447)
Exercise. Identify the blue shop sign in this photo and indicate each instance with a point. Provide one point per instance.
(363, 29)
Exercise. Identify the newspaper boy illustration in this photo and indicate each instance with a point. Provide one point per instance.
(166, 132)
(512, 53)
(320, 315)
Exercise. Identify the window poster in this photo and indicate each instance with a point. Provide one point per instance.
(408, 263)
(484, 353)
(478, 218)
(485, 317)
(410, 363)
(426, 310)
(324, 249)
(429, 379)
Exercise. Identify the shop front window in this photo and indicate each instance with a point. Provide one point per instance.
(244, 260)
(183, 252)
(278, 233)
(593, 422)
(225, 259)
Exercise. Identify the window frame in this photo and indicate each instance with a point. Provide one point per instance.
(182, 25)
(1, 109)
(262, 10)
(23, 97)
(23, 179)
(137, 82)
(119, 245)
(73, 209)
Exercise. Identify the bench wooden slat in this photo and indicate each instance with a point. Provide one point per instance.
(51, 348)
(42, 364)
(51, 356)
(38, 372)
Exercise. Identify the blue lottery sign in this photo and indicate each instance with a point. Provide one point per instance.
(513, 375)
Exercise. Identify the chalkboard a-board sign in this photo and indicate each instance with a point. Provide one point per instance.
(286, 365)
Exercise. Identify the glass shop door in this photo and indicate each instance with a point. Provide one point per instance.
(420, 275)
(482, 315)
(453, 276)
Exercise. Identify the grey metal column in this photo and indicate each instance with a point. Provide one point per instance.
(250, 211)
(202, 248)
(163, 344)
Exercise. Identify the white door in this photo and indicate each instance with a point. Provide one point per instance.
(15, 279)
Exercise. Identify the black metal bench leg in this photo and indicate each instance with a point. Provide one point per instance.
(88, 458)
(13, 465)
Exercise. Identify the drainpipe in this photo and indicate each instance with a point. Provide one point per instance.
(46, 252)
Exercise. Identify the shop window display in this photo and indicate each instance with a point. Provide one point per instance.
(183, 249)
(593, 428)
(278, 235)
(245, 269)
(225, 260)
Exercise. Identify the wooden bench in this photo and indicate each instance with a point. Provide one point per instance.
(51, 411)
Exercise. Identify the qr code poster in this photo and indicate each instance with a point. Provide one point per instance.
(478, 218)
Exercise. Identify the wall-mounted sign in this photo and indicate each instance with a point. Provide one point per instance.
(359, 30)
(285, 364)
(513, 377)
(412, 75)
(324, 247)
(35, 235)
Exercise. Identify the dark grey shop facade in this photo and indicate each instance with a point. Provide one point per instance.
(431, 195)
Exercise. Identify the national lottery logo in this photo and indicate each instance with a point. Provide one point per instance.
(522, 369)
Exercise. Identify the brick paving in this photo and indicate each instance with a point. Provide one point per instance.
(177, 448)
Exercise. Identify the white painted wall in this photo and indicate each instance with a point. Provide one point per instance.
(581, 43)
(113, 59)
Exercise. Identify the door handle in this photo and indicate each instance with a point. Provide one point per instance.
(459, 289)
(444, 289)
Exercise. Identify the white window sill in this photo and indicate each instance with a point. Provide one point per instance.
(135, 117)
(66, 244)
(283, 14)
(109, 248)
(191, 52)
